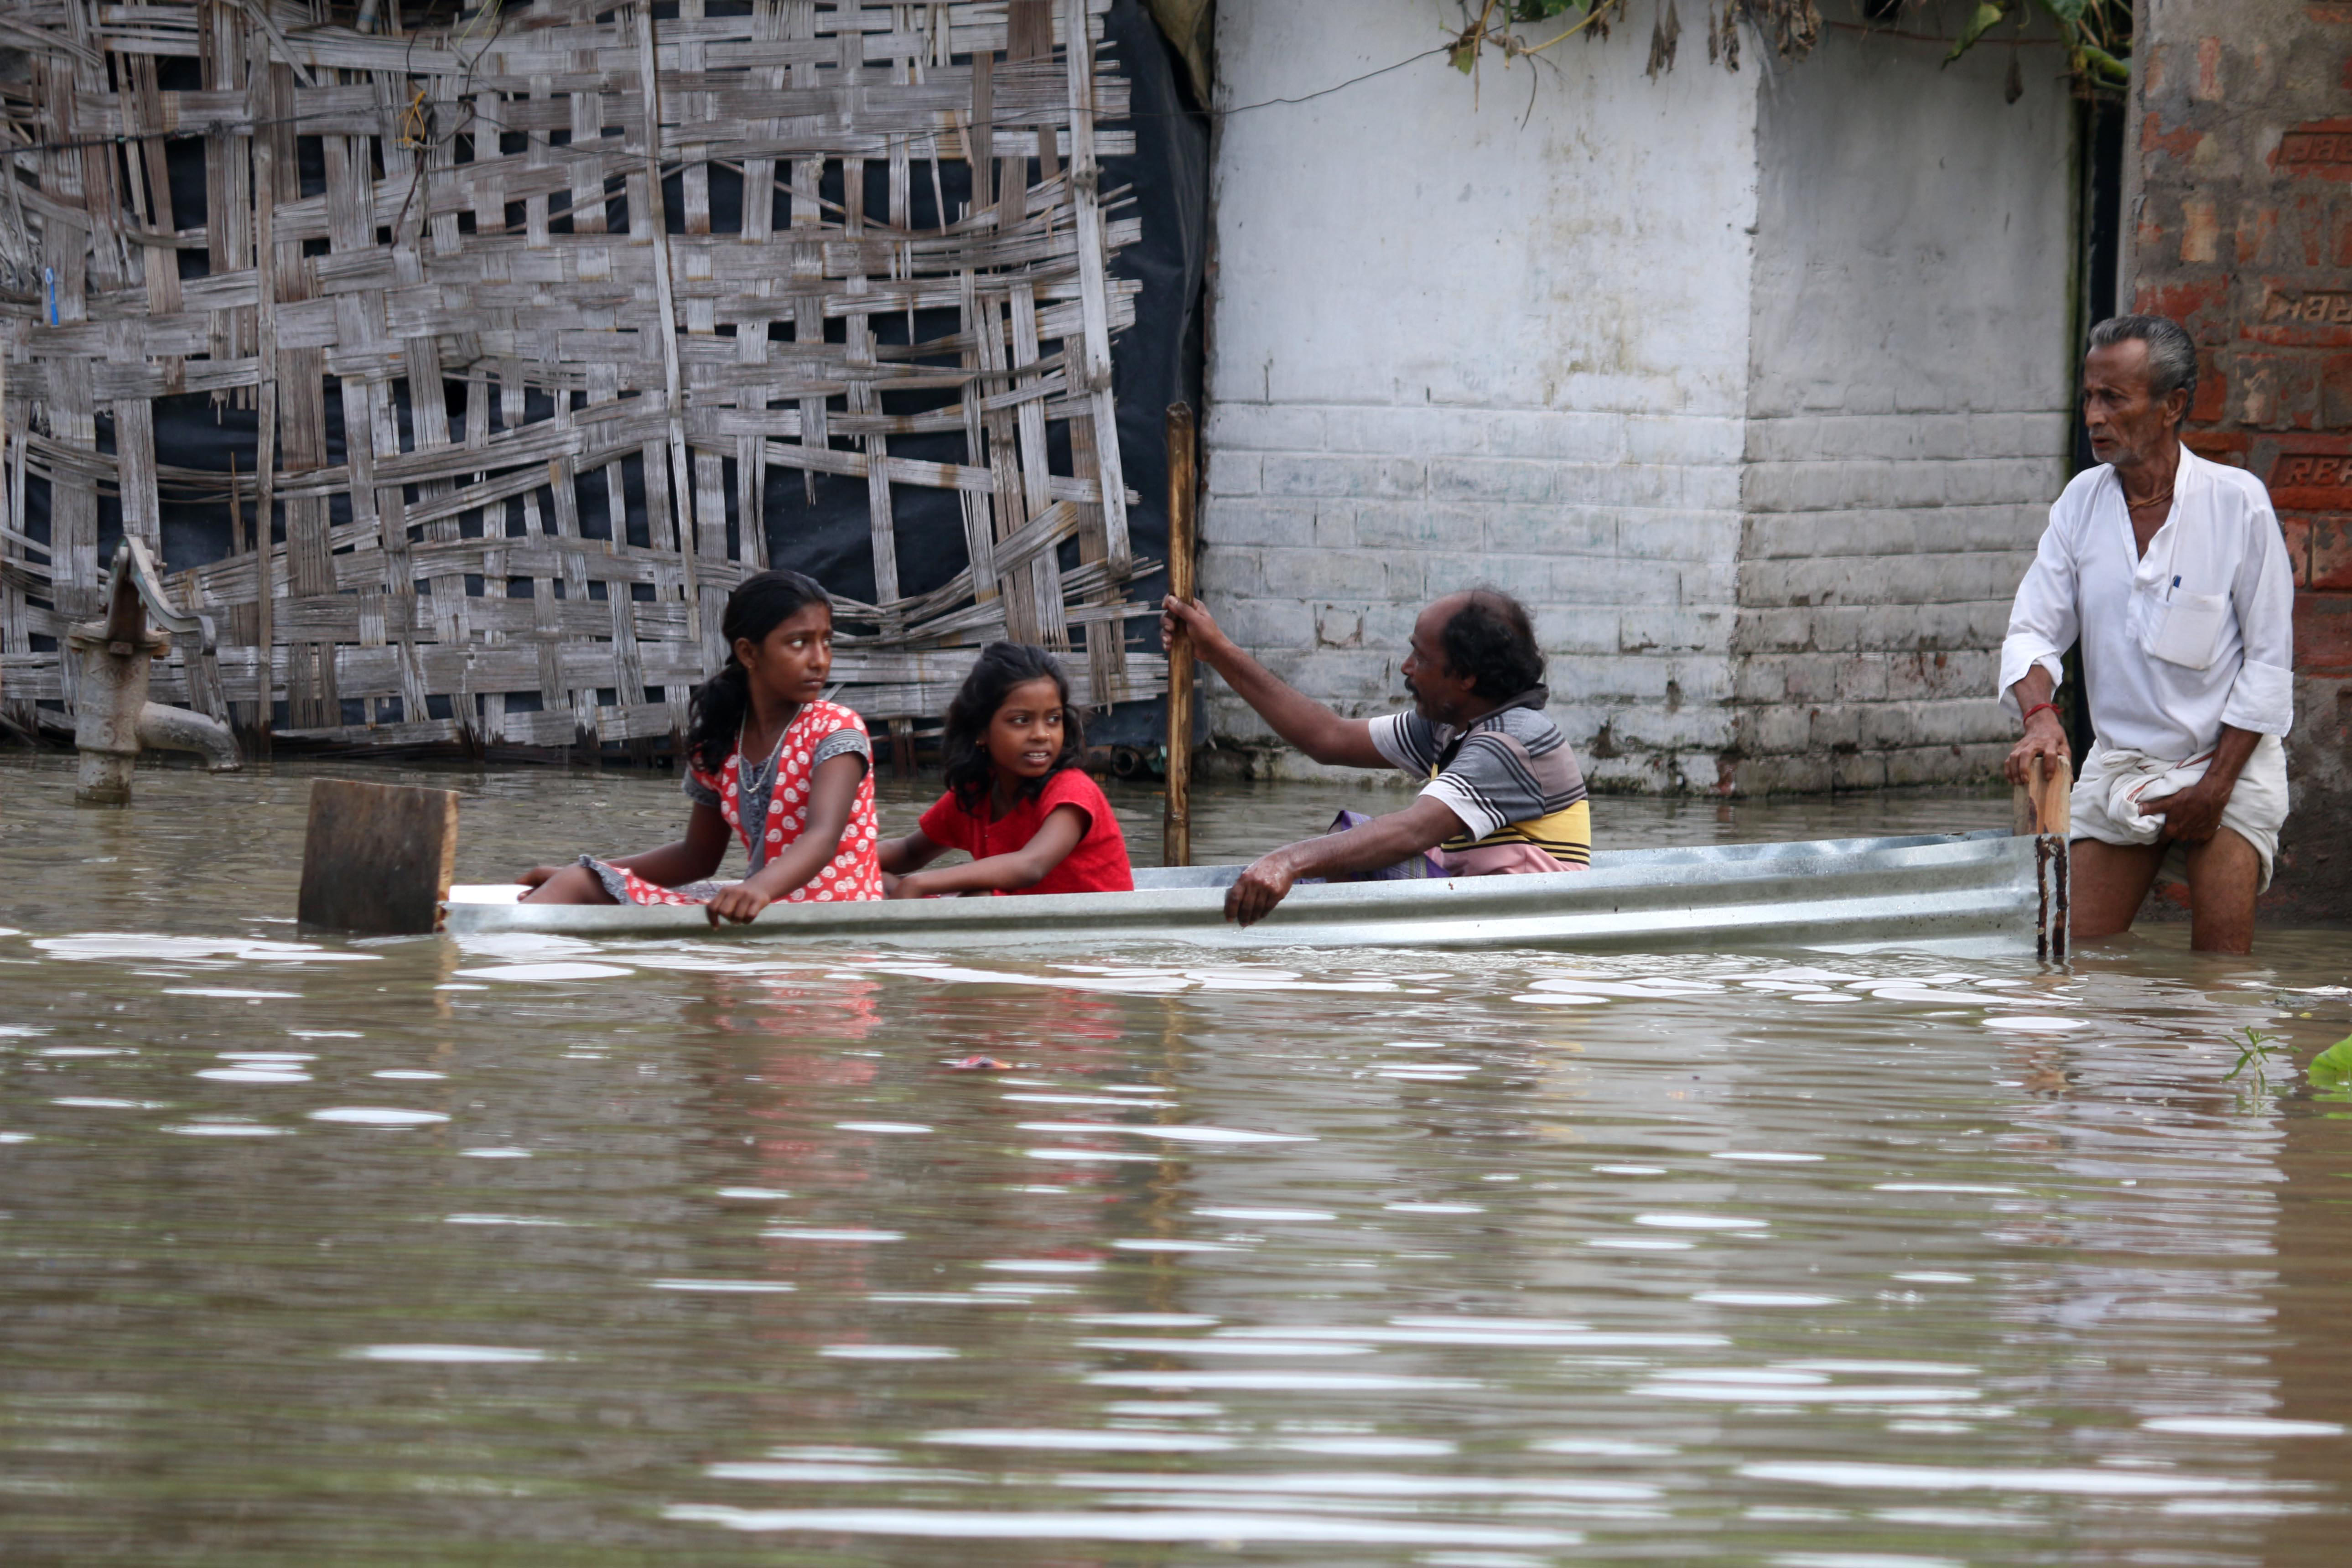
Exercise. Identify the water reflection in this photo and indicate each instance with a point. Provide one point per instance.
(708, 1250)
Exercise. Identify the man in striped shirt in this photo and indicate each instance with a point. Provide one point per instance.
(1502, 790)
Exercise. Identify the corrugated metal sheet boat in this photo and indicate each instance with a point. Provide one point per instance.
(1967, 893)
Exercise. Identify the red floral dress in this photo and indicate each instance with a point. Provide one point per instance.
(767, 805)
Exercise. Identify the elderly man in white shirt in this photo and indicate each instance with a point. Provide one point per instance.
(2173, 573)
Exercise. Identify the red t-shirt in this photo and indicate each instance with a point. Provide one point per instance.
(1098, 864)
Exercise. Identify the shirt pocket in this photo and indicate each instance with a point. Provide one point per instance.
(2186, 629)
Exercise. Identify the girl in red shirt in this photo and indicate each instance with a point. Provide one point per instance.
(769, 762)
(1017, 800)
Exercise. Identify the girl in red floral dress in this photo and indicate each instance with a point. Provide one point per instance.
(768, 759)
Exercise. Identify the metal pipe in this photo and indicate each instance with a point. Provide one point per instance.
(113, 721)
(163, 728)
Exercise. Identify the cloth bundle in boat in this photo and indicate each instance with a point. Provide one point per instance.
(1425, 864)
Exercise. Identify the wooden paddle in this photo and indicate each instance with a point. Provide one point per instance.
(2045, 806)
(1176, 827)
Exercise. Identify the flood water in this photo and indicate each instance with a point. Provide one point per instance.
(548, 1252)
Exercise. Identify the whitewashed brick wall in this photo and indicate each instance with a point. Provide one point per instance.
(1618, 532)
(1907, 423)
(1756, 395)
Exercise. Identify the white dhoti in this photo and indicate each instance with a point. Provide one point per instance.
(2116, 781)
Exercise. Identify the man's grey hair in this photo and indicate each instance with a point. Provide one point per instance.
(2172, 353)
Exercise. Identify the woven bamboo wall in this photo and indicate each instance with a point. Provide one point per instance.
(477, 317)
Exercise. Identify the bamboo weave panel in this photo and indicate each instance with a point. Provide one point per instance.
(474, 315)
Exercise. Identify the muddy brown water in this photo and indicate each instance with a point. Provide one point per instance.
(533, 1251)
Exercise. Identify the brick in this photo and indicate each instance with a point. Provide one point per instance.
(1833, 726)
(1231, 572)
(1797, 773)
(1264, 624)
(1618, 485)
(1229, 520)
(1860, 679)
(1490, 478)
(2327, 552)
(1578, 438)
(1653, 729)
(1963, 673)
(1232, 473)
(1603, 581)
(1574, 631)
(1760, 678)
(1890, 580)
(1712, 584)
(1773, 631)
(1310, 574)
(1672, 536)
(1550, 529)
(1861, 770)
(1674, 631)
(1345, 675)
(1350, 477)
(1412, 432)
(1617, 679)
(1946, 764)
(1838, 629)
(1263, 427)
(1764, 730)
(1422, 575)
(1683, 439)
(1339, 625)
(2323, 634)
(1419, 524)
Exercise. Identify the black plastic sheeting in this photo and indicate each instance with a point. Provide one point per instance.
(820, 528)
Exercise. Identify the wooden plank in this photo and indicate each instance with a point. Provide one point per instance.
(377, 859)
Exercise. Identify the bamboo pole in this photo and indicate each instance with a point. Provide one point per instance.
(1176, 832)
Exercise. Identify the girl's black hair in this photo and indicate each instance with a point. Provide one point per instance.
(758, 605)
(1002, 666)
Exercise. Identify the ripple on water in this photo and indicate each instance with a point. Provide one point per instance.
(1210, 1526)
(478, 1354)
(375, 1116)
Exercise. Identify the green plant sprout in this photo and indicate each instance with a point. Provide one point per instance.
(2256, 1051)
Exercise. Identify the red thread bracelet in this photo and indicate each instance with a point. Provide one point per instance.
(2037, 708)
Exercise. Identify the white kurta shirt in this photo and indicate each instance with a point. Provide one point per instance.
(2198, 633)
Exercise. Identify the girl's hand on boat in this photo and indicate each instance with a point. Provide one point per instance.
(740, 903)
(538, 874)
(910, 886)
(1263, 883)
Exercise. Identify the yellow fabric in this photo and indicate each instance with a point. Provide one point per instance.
(1566, 836)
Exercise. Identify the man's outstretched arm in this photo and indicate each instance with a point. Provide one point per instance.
(1383, 841)
(1301, 720)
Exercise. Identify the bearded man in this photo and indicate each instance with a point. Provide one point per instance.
(2173, 574)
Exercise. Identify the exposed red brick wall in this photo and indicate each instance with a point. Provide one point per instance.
(2244, 233)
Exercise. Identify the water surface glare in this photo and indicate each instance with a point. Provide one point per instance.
(547, 1251)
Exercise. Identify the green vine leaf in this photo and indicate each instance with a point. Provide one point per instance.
(2333, 1066)
(1987, 17)
(2105, 64)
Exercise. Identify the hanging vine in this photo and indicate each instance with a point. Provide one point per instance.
(2097, 34)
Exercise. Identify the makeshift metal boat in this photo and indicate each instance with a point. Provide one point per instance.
(1965, 893)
